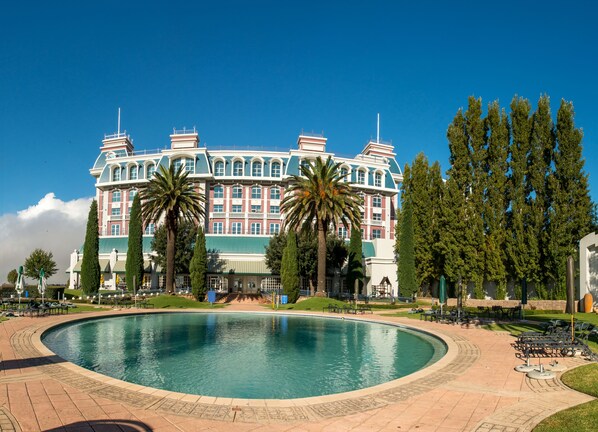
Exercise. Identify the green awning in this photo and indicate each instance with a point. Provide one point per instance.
(240, 267)
(104, 266)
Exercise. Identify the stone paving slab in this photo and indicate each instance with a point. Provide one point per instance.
(472, 388)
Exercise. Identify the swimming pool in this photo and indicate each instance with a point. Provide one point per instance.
(241, 355)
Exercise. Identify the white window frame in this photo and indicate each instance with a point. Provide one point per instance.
(217, 228)
(256, 228)
(115, 229)
(236, 228)
(219, 168)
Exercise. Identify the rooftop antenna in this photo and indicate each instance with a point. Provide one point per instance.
(118, 121)
(377, 130)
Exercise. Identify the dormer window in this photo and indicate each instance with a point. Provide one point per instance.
(116, 174)
(275, 169)
(238, 168)
(361, 177)
(378, 180)
(219, 169)
(133, 172)
(256, 169)
(151, 169)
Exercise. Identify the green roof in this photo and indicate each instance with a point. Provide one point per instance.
(237, 244)
(121, 244)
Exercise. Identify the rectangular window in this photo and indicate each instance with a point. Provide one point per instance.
(256, 169)
(377, 217)
(116, 196)
(115, 211)
(376, 234)
(115, 230)
(218, 192)
(256, 192)
(256, 209)
(236, 228)
(237, 208)
(275, 169)
(377, 201)
(274, 209)
(275, 193)
(219, 168)
(237, 192)
(256, 228)
(342, 232)
(361, 177)
(362, 232)
(378, 180)
(150, 229)
(274, 228)
(132, 194)
(133, 173)
(217, 228)
(218, 208)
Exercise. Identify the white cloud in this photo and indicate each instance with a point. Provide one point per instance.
(52, 224)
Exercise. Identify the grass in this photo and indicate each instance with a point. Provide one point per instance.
(311, 304)
(581, 418)
(176, 302)
(591, 318)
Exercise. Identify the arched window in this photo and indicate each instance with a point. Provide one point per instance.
(133, 172)
(378, 180)
(238, 168)
(237, 192)
(116, 174)
(361, 176)
(219, 169)
(345, 174)
(275, 193)
(256, 192)
(256, 169)
(151, 169)
(275, 169)
(218, 192)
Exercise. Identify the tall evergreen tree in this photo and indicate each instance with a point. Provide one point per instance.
(406, 265)
(274, 250)
(436, 195)
(90, 267)
(289, 270)
(134, 265)
(517, 246)
(496, 203)
(355, 262)
(570, 214)
(474, 246)
(199, 266)
(542, 144)
(454, 215)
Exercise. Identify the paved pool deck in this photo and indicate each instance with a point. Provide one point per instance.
(473, 388)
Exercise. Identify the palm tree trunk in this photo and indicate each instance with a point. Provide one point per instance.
(321, 259)
(170, 246)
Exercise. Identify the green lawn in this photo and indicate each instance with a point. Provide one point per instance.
(176, 302)
(316, 304)
(582, 418)
(586, 317)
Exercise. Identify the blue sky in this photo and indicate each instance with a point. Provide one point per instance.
(257, 73)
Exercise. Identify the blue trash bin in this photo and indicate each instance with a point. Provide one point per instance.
(212, 296)
(284, 299)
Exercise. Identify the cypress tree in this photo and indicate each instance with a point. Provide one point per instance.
(134, 265)
(542, 144)
(407, 280)
(198, 267)
(90, 267)
(436, 196)
(355, 261)
(474, 247)
(517, 246)
(289, 270)
(496, 203)
(570, 214)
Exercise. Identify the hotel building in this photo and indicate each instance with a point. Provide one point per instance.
(243, 190)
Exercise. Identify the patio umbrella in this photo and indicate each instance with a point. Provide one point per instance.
(19, 284)
(41, 285)
(442, 292)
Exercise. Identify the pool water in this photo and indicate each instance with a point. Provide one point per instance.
(254, 356)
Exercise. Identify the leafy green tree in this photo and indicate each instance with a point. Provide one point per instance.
(90, 267)
(171, 194)
(134, 267)
(12, 276)
(320, 198)
(436, 196)
(199, 266)
(38, 260)
(355, 262)
(307, 242)
(336, 253)
(274, 250)
(496, 203)
(290, 268)
(185, 240)
(570, 214)
(476, 136)
(406, 265)
(517, 245)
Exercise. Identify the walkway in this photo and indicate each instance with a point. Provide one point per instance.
(474, 388)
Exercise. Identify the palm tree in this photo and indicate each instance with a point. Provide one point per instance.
(319, 199)
(171, 194)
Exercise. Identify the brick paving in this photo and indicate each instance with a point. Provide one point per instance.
(473, 388)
